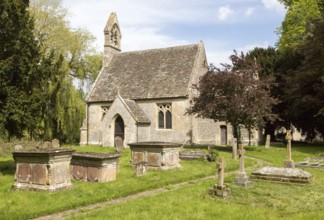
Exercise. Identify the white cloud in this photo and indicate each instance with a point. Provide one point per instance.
(274, 5)
(224, 13)
(249, 11)
(248, 47)
(147, 38)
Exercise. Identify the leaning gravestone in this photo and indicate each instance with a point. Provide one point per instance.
(141, 168)
(119, 144)
(55, 143)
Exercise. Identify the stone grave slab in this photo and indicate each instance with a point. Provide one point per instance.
(192, 155)
(312, 163)
(159, 155)
(282, 175)
(43, 169)
(94, 167)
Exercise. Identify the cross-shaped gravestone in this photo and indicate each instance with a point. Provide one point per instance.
(234, 149)
(220, 167)
(242, 179)
(289, 163)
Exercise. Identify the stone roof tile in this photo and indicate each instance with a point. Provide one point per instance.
(156, 73)
(137, 112)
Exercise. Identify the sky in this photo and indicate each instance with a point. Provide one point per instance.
(223, 25)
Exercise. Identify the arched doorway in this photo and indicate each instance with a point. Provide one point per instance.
(223, 130)
(119, 128)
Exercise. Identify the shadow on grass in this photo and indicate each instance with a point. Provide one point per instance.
(7, 167)
(308, 148)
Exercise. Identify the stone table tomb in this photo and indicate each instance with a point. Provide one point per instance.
(162, 155)
(94, 167)
(43, 170)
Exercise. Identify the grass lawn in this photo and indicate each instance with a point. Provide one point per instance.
(24, 204)
(263, 200)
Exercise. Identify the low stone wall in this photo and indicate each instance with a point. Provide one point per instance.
(162, 155)
(94, 167)
(43, 169)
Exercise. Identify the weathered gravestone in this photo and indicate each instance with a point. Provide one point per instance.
(161, 155)
(220, 189)
(192, 155)
(286, 174)
(234, 148)
(289, 163)
(43, 170)
(141, 168)
(242, 179)
(119, 144)
(18, 147)
(94, 167)
(47, 144)
(267, 143)
(55, 143)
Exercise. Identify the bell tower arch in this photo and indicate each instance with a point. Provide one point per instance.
(112, 38)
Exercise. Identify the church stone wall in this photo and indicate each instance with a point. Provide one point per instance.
(181, 123)
(95, 124)
(144, 132)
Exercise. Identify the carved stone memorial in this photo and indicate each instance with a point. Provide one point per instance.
(161, 155)
(242, 179)
(94, 167)
(289, 163)
(234, 149)
(43, 170)
(55, 143)
(119, 144)
(141, 168)
(267, 143)
(220, 189)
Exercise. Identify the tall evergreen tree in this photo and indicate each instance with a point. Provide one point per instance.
(19, 60)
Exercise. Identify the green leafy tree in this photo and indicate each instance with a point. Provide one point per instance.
(298, 20)
(73, 61)
(304, 93)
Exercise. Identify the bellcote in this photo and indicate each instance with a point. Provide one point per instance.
(112, 32)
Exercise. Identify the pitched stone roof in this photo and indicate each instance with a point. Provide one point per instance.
(157, 73)
(138, 114)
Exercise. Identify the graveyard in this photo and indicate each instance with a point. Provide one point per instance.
(180, 193)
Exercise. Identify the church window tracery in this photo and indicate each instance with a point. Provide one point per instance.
(164, 116)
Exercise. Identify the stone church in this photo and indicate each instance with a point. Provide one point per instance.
(142, 96)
